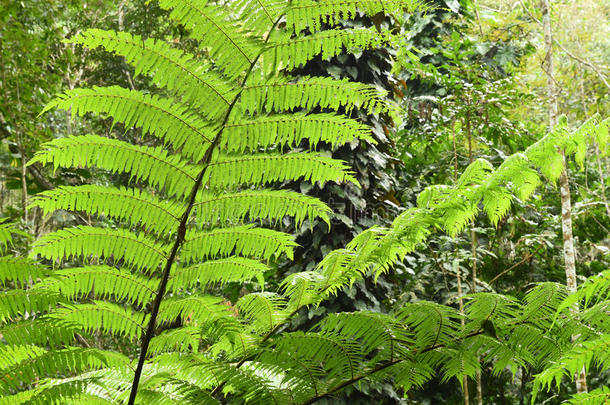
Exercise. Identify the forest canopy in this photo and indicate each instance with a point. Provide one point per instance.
(329, 202)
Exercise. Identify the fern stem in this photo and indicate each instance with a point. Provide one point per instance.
(205, 161)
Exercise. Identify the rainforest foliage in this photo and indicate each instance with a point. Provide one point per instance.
(269, 202)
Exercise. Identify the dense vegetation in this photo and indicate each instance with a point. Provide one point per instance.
(338, 201)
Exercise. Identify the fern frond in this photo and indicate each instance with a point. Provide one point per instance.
(105, 316)
(595, 290)
(181, 340)
(264, 310)
(282, 94)
(72, 360)
(375, 332)
(290, 129)
(238, 240)
(164, 118)
(258, 15)
(272, 205)
(221, 271)
(198, 309)
(584, 355)
(138, 251)
(339, 357)
(260, 169)
(460, 362)
(41, 331)
(17, 303)
(20, 271)
(103, 281)
(432, 324)
(291, 52)
(598, 396)
(153, 165)
(169, 67)
(310, 15)
(232, 51)
(130, 205)
(542, 301)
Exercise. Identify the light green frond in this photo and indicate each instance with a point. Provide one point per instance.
(339, 357)
(409, 374)
(227, 44)
(239, 240)
(263, 310)
(375, 331)
(258, 15)
(496, 203)
(70, 360)
(310, 15)
(127, 204)
(20, 270)
(138, 251)
(182, 340)
(261, 169)
(18, 303)
(290, 130)
(272, 205)
(221, 271)
(164, 118)
(41, 331)
(431, 323)
(293, 52)
(192, 309)
(476, 173)
(169, 67)
(301, 288)
(153, 165)
(103, 282)
(11, 355)
(584, 355)
(481, 307)
(49, 392)
(282, 94)
(595, 290)
(600, 396)
(104, 316)
(544, 154)
(460, 362)
(542, 301)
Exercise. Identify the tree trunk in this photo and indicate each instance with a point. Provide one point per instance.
(569, 255)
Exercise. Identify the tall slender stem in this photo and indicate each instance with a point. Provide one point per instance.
(569, 254)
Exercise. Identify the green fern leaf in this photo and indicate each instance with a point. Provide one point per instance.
(104, 316)
(310, 15)
(164, 118)
(227, 172)
(103, 282)
(154, 165)
(138, 251)
(282, 94)
(169, 67)
(228, 47)
(132, 205)
(290, 130)
(271, 205)
(239, 240)
(231, 269)
(291, 53)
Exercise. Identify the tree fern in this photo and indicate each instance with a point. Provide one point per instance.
(199, 215)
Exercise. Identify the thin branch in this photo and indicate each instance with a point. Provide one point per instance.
(526, 258)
